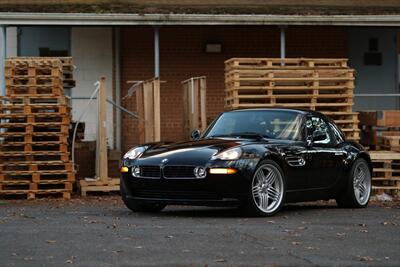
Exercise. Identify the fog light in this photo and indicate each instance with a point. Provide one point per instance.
(223, 171)
(124, 169)
(200, 172)
(136, 171)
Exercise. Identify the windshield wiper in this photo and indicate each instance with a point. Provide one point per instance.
(252, 135)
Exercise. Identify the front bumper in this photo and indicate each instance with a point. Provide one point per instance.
(213, 190)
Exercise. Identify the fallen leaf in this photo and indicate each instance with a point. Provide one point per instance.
(366, 258)
(51, 241)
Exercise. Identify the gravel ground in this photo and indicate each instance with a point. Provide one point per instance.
(100, 231)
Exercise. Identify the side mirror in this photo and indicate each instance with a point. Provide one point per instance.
(195, 135)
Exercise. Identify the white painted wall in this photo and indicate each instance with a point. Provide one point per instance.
(12, 41)
(374, 79)
(91, 50)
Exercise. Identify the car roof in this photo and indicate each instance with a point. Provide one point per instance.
(300, 111)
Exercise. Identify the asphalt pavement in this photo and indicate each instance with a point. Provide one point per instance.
(100, 231)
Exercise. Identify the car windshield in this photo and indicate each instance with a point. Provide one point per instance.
(273, 124)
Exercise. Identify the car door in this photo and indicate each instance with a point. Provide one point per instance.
(325, 157)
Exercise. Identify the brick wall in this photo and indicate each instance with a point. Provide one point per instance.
(182, 56)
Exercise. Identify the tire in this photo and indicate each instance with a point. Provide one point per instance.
(359, 187)
(140, 206)
(268, 184)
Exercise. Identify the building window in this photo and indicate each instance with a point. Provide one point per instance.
(373, 57)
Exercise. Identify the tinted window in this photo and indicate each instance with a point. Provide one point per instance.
(318, 124)
(270, 124)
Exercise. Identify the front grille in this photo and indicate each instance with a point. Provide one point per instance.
(178, 195)
(150, 171)
(179, 172)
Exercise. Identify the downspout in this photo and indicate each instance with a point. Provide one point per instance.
(3, 55)
(156, 52)
(118, 89)
(283, 41)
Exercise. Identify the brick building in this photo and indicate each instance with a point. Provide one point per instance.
(121, 40)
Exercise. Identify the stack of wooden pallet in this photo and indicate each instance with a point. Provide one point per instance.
(380, 129)
(386, 172)
(34, 122)
(324, 85)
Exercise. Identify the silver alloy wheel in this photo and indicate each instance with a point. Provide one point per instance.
(267, 188)
(361, 182)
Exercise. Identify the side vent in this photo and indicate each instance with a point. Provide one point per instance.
(296, 161)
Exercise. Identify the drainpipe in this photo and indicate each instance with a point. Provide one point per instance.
(3, 53)
(118, 89)
(283, 41)
(156, 52)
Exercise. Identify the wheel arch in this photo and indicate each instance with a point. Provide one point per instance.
(276, 158)
(364, 155)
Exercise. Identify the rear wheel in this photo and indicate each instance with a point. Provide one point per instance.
(267, 190)
(358, 188)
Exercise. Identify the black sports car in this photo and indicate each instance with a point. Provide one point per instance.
(256, 159)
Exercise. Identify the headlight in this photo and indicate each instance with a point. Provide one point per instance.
(230, 154)
(135, 152)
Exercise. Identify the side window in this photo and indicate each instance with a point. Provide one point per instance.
(337, 133)
(317, 124)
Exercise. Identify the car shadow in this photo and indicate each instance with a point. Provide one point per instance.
(221, 212)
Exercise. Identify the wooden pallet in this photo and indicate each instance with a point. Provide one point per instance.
(34, 137)
(37, 175)
(36, 166)
(34, 156)
(324, 85)
(35, 118)
(31, 189)
(18, 89)
(34, 127)
(34, 146)
(386, 172)
(110, 185)
(286, 63)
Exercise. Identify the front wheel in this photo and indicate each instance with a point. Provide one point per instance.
(267, 190)
(358, 188)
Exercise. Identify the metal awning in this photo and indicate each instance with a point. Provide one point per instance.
(87, 19)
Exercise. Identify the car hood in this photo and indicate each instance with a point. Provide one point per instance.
(187, 153)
